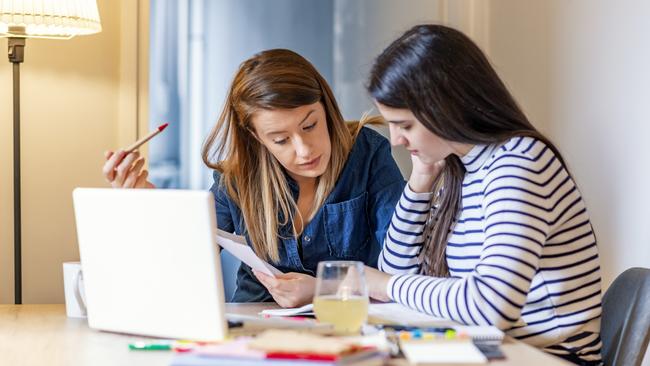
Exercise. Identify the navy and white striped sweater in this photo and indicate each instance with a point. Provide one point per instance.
(522, 254)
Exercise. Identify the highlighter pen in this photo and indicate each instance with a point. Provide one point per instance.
(145, 346)
(140, 142)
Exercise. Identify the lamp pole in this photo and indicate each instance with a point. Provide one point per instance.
(16, 56)
(20, 19)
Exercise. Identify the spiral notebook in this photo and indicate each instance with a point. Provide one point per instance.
(480, 333)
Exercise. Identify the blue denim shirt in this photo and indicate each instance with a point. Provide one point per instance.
(351, 224)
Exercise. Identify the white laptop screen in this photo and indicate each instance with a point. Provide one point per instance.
(150, 263)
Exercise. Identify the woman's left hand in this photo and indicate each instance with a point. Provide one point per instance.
(289, 290)
(377, 283)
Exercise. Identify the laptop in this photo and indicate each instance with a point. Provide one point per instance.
(150, 262)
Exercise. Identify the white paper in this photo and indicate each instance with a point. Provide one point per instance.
(236, 245)
(289, 311)
(448, 352)
(394, 313)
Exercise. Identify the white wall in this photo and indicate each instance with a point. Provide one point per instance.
(599, 114)
(581, 70)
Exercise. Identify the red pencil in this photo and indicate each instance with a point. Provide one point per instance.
(139, 143)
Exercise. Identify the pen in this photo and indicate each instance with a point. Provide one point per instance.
(419, 329)
(177, 346)
(144, 346)
(139, 143)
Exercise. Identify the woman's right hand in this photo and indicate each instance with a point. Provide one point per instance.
(423, 175)
(124, 170)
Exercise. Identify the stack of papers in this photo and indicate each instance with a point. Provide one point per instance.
(382, 313)
(397, 314)
(253, 324)
(282, 348)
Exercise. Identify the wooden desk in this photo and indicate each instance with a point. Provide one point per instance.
(43, 335)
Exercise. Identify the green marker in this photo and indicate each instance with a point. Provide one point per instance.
(143, 346)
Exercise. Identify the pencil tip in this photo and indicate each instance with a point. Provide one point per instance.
(162, 127)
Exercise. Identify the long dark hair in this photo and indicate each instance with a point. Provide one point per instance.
(445, 80)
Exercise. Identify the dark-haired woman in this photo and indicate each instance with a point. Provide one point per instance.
(491, 228)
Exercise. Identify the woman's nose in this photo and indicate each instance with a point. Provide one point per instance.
(303, 148)
(396, 138)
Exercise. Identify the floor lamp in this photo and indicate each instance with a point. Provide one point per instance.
(19, 20)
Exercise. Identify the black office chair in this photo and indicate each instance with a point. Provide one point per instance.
(625, 325)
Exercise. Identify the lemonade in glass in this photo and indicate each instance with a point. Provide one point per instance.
(341, 296)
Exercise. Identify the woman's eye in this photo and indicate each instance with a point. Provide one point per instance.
(310, 127)
(405, 127)
(281, 142)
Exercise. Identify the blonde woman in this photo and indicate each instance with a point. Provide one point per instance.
(291, 175)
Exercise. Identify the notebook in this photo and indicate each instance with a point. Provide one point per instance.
(447, 352)
(397, 314)
(199, 360)
(483, 333)
(283, 348)
(382, 313)
(394, 313)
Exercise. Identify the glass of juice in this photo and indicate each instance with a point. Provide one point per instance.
(341, 296)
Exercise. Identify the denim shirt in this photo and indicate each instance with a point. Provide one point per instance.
(351, 224)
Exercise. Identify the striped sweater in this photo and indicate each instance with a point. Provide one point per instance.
(521, 252)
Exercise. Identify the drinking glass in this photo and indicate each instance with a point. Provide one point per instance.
(341, 296)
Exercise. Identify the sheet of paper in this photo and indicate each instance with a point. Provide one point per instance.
(304, 310)
(394, 313)
(445, 352)
(236, 245)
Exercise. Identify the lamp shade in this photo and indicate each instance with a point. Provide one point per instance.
(48, 18)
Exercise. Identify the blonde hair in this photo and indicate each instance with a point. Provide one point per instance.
(253, 178)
